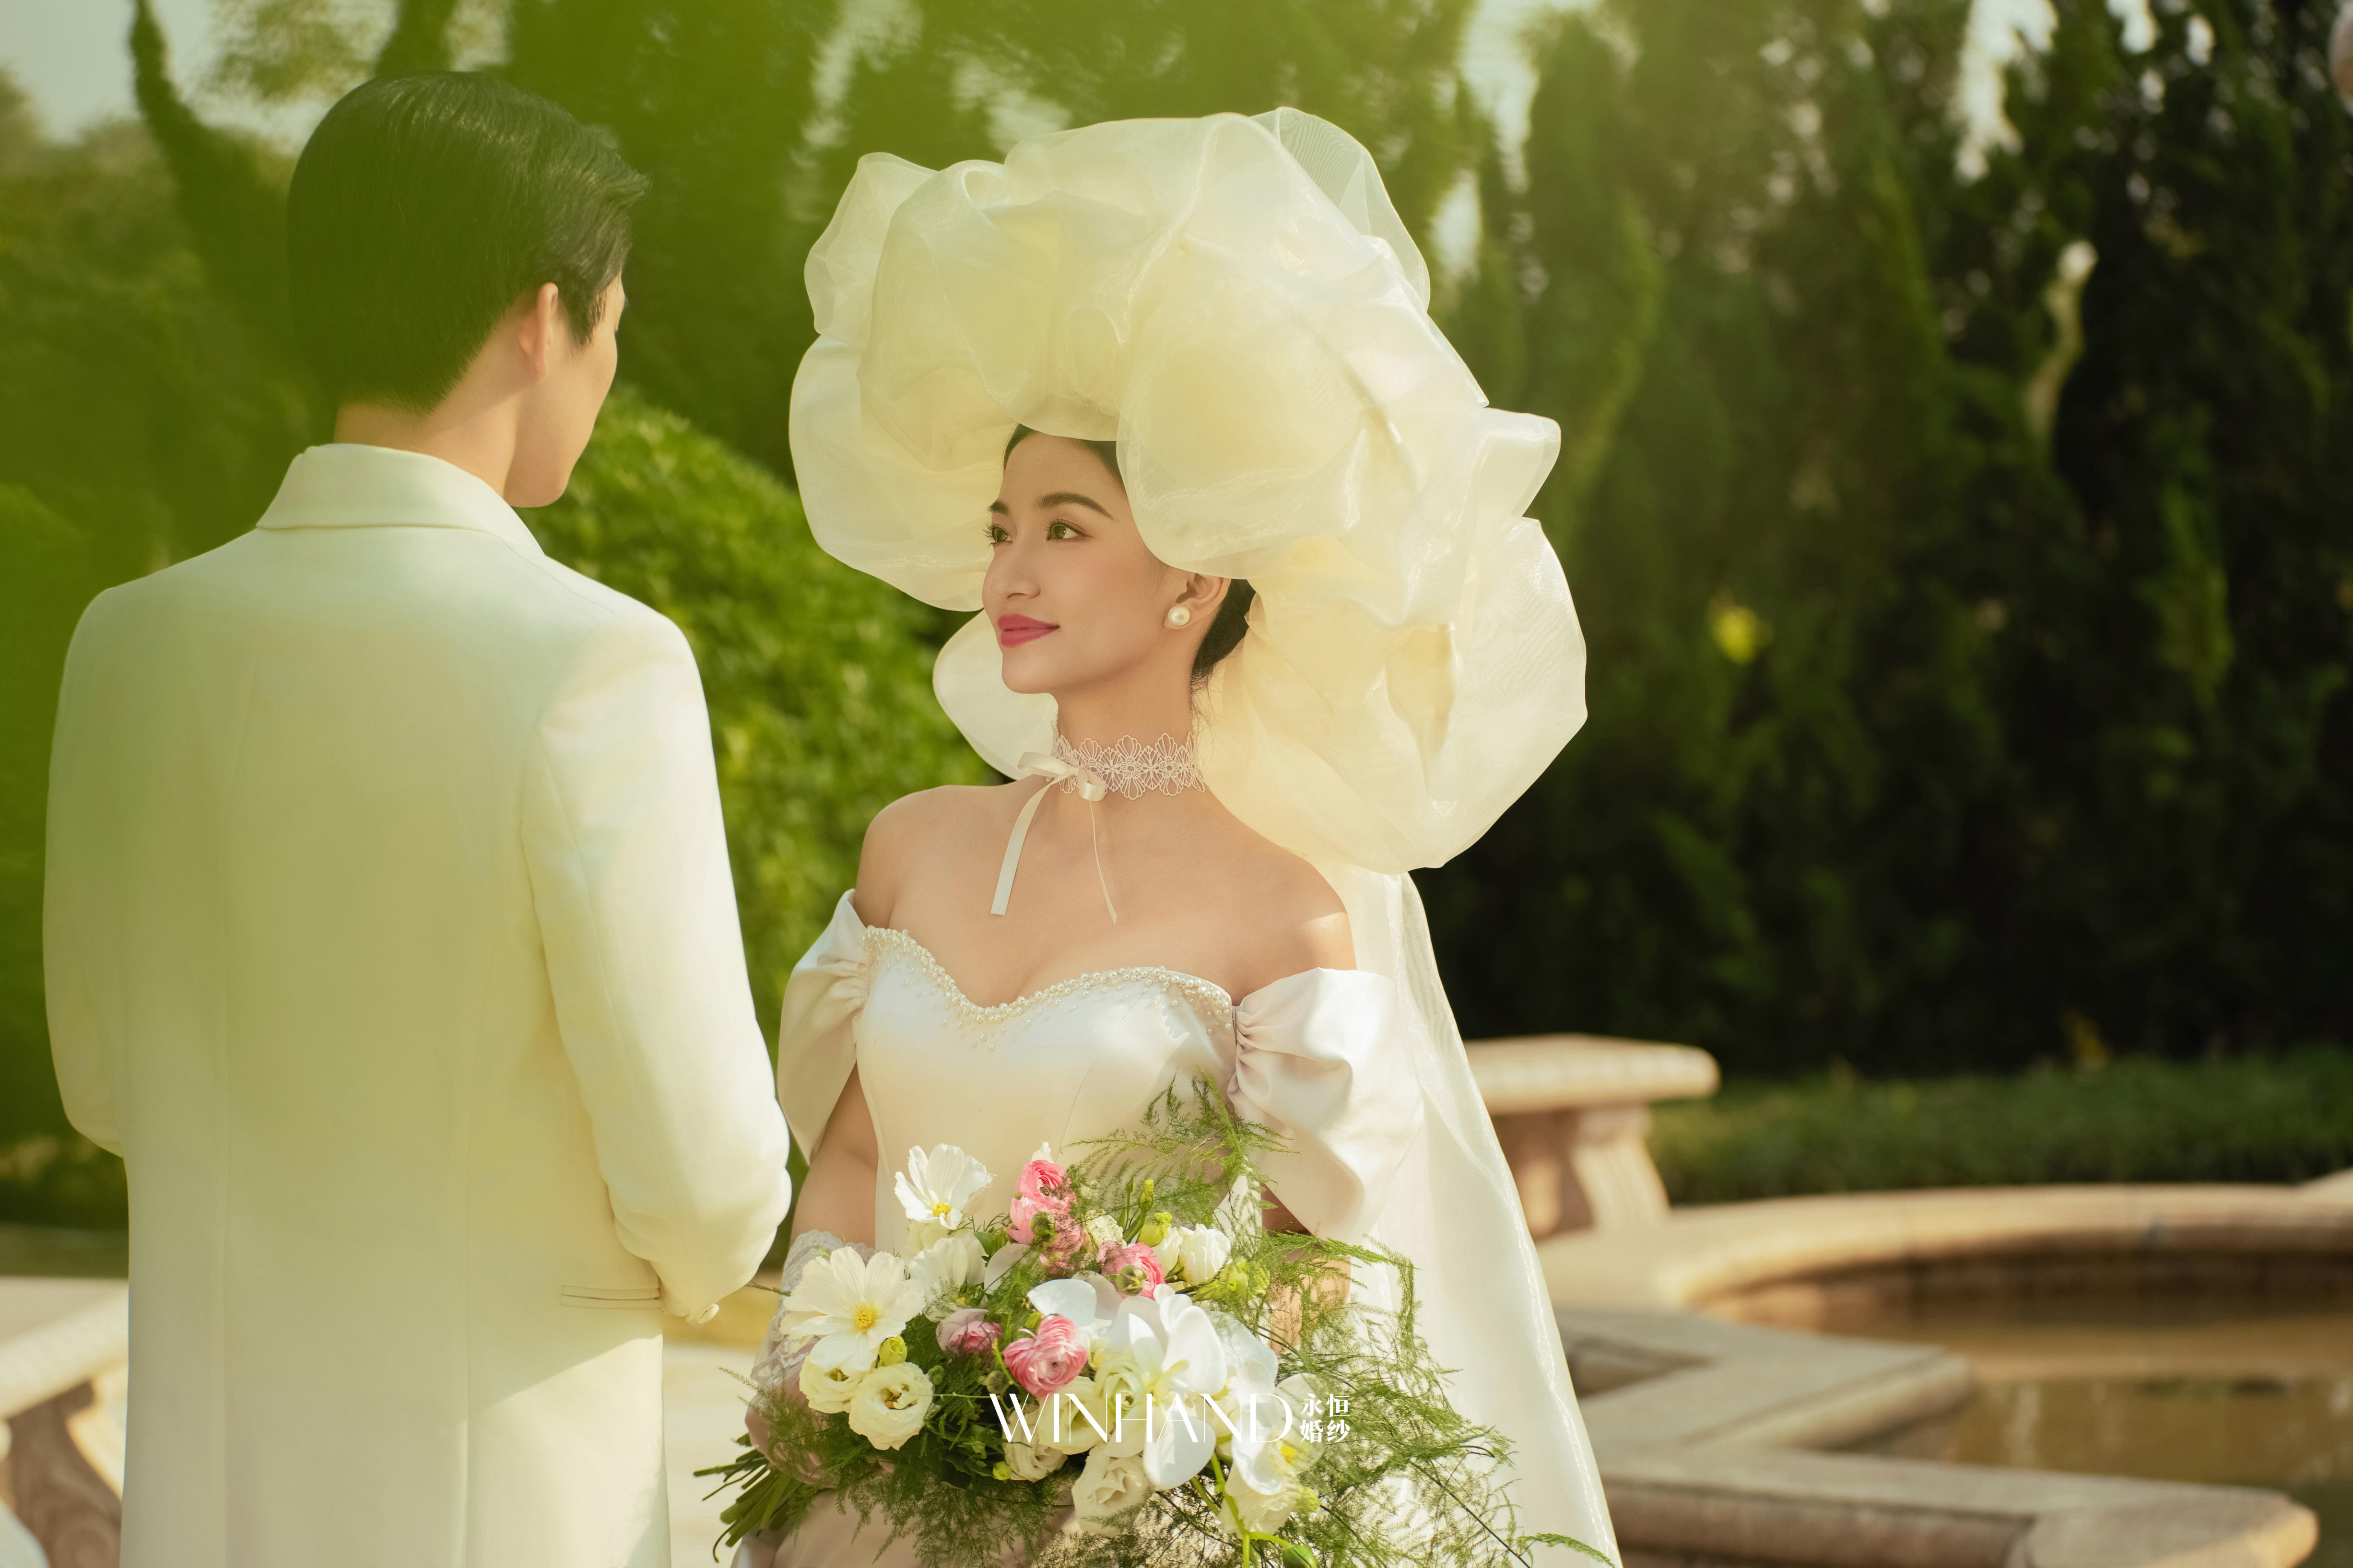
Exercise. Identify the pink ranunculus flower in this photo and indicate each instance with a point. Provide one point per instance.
(968, 1331)
(1117, 1260)
(1048, 1358)
(1067, 1250)
(1045, 1183)
(1021, 1220)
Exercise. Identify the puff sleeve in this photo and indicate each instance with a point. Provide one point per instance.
(816, 1042)
(1311, 1063)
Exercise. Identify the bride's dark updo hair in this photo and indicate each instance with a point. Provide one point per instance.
(1225, 633)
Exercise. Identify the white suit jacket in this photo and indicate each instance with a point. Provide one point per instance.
(390, 940)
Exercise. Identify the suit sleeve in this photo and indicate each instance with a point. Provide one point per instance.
(645, 957)
(80, 1038)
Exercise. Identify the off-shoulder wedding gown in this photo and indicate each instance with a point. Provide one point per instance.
(1078, 1059)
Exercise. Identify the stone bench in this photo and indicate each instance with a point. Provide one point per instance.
(64, 1349)
(1573, 1114)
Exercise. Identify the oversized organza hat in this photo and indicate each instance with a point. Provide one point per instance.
(1236, 302)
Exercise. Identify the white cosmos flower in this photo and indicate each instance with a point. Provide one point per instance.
(849, 1305)
(938, 1185)
(949, 1264)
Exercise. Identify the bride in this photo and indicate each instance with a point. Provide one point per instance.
(1263, 627)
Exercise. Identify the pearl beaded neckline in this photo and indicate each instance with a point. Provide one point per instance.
(986, 1019)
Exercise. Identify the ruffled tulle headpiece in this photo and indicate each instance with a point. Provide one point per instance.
(1235, 302)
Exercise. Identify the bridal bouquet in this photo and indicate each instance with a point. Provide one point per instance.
(1123, 1368)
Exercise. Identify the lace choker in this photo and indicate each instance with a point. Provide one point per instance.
(1131, 768)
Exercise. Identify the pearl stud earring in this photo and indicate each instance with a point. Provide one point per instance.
(1179, 615)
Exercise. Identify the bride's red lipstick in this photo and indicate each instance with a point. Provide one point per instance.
(1012, 631)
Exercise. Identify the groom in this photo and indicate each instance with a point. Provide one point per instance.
(389, 932)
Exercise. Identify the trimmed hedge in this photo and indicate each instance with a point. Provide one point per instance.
(2284, 1118)
(819, 676)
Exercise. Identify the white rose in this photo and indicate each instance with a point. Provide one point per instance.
(1117, 1393)
(1030, 1463)
(1109, 1487)
(1192, 1253)
(829, 1388)
(890, 1404)
(1063, 1423)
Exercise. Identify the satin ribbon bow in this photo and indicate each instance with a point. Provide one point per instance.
(1090, 788)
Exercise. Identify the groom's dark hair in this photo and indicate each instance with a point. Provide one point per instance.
(424, 209)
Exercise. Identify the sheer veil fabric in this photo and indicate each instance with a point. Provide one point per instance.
(1237, 303)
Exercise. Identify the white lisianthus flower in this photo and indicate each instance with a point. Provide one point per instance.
(849, 1305)
(1192, 1253)
(1266, 1511)
(937, 1188)
(1103, 1231)
(949, 1264)
(830, 1389)
(1032, 1462)
(1110, 1486)
(890, 1404)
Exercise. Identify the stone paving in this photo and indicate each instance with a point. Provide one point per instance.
(702, 1415)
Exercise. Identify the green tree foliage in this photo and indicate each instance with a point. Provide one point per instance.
(142, 420)
(718, 101)
(818, 683)
(138, 425)
(1912, 734)
(231, 194)
(2187, 725)
(710, 97)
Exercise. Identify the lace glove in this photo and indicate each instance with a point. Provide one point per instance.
(778, 1371)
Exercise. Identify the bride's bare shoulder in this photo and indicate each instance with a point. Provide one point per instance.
(1284, 916)
(916, 826)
